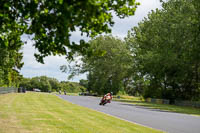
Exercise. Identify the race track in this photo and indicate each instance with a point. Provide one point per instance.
(162, 120)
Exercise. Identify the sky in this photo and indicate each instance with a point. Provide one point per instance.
(51, 68)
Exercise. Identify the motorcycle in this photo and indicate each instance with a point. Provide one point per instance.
(104, 101)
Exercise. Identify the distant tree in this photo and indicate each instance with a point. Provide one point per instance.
(47, 84)
(72, 87)
(84, 83)
(35, 82)
(26, 83)
(108, 68)
(41, 83)
(44, 84)
(55, 85)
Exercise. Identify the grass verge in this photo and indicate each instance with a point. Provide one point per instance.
(137, 101)
(46, 113)
(62, 93)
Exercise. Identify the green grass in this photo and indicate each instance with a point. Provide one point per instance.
(46, 113)
(62, 93)
(164, 107)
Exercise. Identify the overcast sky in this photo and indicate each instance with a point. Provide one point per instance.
(52, 63)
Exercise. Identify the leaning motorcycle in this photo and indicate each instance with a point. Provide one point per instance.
(104, 101)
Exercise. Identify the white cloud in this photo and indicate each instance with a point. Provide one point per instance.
(51, 68)
(76, 36)
(122, 26)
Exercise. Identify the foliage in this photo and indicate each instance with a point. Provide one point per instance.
(47, 84)
(84, 83)
(41, 83)
(110, 66)
(72, 87)
(166, 47)
(26, 83)
(54, 83)
(51, 22)
(10, 64)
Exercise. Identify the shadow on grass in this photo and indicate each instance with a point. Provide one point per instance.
(161, 107)
(129, 101)
(147, 107)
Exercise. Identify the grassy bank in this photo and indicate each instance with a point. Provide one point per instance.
(46, 113)
(171, 108)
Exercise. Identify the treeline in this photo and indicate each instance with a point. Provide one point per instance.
(47, 84)
(10, 64)
(160, 58)
(167, 51)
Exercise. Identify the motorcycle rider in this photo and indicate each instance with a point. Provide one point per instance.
(108, 97)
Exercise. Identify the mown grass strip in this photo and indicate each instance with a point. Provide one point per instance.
(46, 113)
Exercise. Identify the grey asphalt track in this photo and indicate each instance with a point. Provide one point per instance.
(162, 120)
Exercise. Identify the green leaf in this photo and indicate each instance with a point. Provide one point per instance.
(60, 1)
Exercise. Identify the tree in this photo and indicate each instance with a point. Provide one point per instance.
(84, 83)
(51, 22)
(44, 84)
(48, 84)
(26, 83)
(108, 71)
(55, 85)
(72, 87)
(10, 64)
(166, 48)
